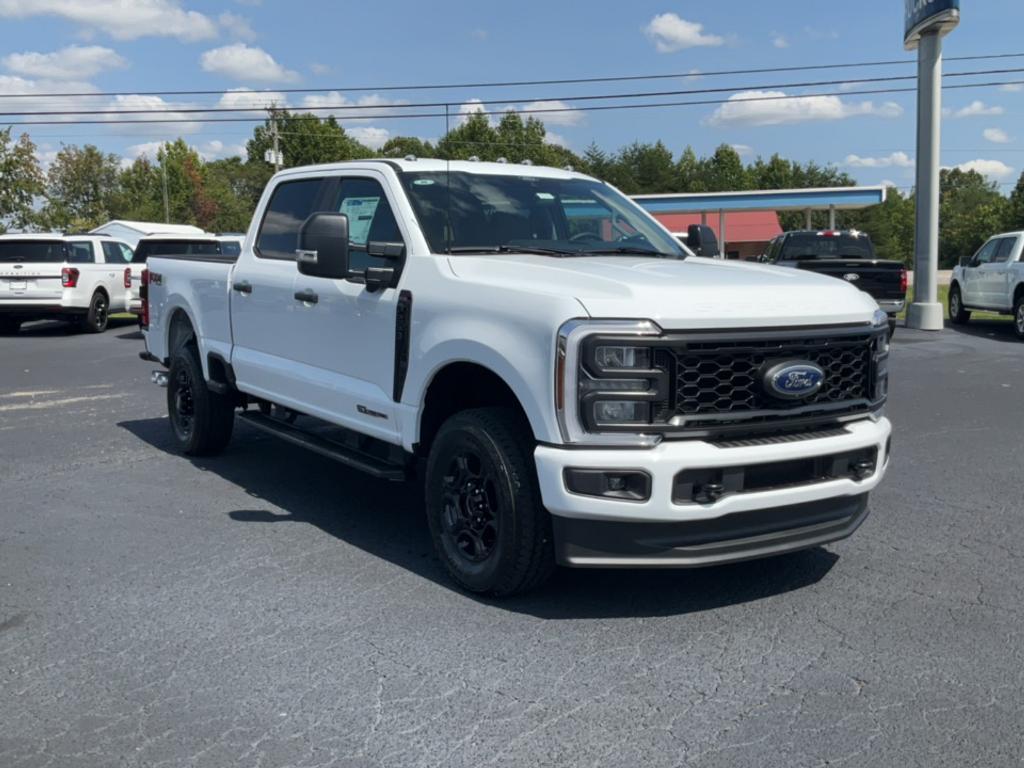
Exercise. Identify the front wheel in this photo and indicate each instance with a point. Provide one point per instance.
(483, 504)
(201, 421)
(1018, 317)
(957, 314)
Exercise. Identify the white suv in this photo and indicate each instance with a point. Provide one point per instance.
(52, 275)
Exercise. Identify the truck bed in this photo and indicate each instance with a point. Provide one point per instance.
(878, 277)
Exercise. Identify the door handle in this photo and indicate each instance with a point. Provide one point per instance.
(307, 297)
(242, 287)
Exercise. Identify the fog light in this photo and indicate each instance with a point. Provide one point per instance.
(627, 485)
(621, 412)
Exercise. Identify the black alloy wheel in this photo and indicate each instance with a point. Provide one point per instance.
(471, 500)
(181, 397)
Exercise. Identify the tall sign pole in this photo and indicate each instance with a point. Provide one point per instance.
(927, 22)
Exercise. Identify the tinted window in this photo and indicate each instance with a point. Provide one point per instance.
(292, 203)
(988, 250)
(81, 253)
(1003, 250)
(369, 219)
(38, 251)
(230, 247)
(812, 245)
(147, 248)
(115, 253)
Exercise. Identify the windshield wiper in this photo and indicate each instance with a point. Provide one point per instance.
(509, 249)
(631, 250)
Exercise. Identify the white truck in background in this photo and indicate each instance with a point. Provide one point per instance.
(83, 278)
(174, 244)
(992, 280)
(577, 387)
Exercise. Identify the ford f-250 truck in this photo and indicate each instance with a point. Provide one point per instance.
(575, 386)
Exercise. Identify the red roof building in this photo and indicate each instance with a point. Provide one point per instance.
(747, 232)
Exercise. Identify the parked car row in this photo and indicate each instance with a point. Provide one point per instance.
(83, 278)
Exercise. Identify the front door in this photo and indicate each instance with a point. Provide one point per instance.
(995, 287)
(973, 290)
(344, 334)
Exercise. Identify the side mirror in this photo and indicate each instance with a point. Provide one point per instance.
(323, 246)
(701, 239)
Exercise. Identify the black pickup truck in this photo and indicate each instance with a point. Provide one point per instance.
(847, 255)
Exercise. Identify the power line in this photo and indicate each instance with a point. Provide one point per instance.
(520, 83)
(547, 110)
(170, 109)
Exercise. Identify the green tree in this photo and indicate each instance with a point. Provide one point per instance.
(305, 139)
(1015, 207)
(474, 138)
(21, 181)
(645, 168)
(235, 186)
(726, 170)
(81, 188)
(403, 146)
(971, 210)
(140, 192)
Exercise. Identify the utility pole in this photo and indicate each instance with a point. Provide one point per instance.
(927, 22)
(167, 202)
(277, 145)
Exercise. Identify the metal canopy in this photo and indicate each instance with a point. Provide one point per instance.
(831, 198)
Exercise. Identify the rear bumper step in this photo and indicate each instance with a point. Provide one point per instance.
(371, 465)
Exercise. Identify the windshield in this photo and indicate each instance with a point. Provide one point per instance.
(813, 245)
(37, 251)
(480, 213)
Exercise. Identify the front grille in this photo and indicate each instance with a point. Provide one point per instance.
(718, 379)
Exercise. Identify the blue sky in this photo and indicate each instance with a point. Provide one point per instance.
(234, 47)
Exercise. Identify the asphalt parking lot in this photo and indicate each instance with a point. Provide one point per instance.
(270, 608)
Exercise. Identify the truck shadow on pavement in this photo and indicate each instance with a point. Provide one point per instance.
(994, 330)
(387, 520)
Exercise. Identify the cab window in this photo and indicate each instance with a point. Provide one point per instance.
(986, 253)
(370, 219)
(81, 252)
(290, 205)
(116, 253)
(1004, 250)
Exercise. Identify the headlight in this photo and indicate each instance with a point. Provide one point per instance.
(622, 358)
(880, 319)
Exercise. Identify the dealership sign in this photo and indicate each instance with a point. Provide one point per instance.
(929, 15)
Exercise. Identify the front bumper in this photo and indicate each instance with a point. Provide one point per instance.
(891, 306)
(662, 531)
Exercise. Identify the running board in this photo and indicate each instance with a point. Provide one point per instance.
(364, 462)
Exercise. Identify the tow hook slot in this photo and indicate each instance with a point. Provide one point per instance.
(159, 378)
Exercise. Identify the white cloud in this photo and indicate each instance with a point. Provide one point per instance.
(779, 41)
(334, 104)
(671, 33)
(895, 160)
(45, 155)
(319, 69)
(468, 108)
(975, 109)
(216, 149)
(160, 109)
(888, 183)
(563, 114)
(556, 139)
(1012, 87)
(994, 170)
(996, 135)
(774, 108)
(208, 150)
(237, 26)
(257, 101)
(242, 62)
(743, 150)
(70, 63)
(374, 138)
(120, 19)
(11, 85)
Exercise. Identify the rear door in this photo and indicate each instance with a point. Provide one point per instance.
(263, 305)
(119, 256)
(30, 270)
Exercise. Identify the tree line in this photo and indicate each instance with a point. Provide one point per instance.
(84, 187)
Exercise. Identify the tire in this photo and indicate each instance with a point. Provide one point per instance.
(892, 327)
(484, 457)
(957, 314)
(95, 320)
(1018, 317)
(9, 326)
(201, 421)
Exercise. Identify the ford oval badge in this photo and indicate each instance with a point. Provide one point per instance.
(793, 380)
(851, 277)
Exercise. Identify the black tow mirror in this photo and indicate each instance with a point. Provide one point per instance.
(701, 239)
(323, 246)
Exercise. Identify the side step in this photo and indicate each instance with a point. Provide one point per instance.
(343, 454)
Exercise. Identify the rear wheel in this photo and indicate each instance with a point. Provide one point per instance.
(201, 421)
(95, 320)
(483, 504)
(957, 314)
(9, 326)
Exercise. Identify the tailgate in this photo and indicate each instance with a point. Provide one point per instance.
(19, 282)
(880, 279)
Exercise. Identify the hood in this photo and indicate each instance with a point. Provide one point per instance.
(692, 293)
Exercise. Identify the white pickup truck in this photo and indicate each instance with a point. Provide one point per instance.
(991, 280)
(576, 387)
(81, 277)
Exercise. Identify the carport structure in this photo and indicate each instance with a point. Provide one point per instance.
(830, 199)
